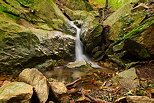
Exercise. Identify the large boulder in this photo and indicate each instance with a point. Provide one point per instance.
(34, 32)
(24, 43)
(29, 49)
(146, 38)
(16, 92)
(38, 81)
(125, 9)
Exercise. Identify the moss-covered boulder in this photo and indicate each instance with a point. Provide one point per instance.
(125, 19)
(132, 35)
(93, 39)
(31, 33)
(146, 38)
(27, 49)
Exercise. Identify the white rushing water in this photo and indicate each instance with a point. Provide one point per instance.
(79, 55)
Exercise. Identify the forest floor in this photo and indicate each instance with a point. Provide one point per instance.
(96, 86)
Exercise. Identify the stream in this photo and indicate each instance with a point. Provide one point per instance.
(65, 74)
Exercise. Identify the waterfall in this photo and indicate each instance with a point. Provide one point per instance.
(79, 55)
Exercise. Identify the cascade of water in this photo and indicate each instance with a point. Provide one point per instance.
(79, 46)
(79, 55)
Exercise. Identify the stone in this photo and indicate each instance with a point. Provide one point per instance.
(125, 9)
(127, 78)
(58, 92)
(16, 92)
(24, 44)
(58, 88)
(76, 64)
(24, 49)
(139, 99)
(134, 99)
(38, 81)
(146, 38)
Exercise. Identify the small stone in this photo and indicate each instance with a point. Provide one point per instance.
(76, 64)
(58, 88)
(16, 92)
(127, 79)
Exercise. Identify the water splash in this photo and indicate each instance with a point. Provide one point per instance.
(79, 55)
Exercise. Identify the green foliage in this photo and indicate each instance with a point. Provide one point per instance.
(112, 3)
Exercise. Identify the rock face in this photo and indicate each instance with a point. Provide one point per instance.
(38, 81)
(126, 36)
(146, 38)
(16, 92)
(32, 34)
(127, 79)
(125, 9)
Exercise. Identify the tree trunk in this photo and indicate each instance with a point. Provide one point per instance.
(106, 4)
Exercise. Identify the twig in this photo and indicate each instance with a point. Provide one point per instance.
(96, 100)
(72, 83)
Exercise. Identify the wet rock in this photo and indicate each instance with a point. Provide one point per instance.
(27, 44)
(127, 78)
(38, 81)
(16, 92)
(47, 65)
(24, 49)
(95, 35)
(93, 39)
(76, 64)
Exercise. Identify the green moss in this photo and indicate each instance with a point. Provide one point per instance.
(2, 8)
(97, 31)
(118, 46)
(25, 2)
(7, 9)
(14, 16)
(97, 54)
(140, 28)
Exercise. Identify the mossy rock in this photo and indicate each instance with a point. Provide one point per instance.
(132, 50)
(93, 38)
(146, 38)
(125, 24)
